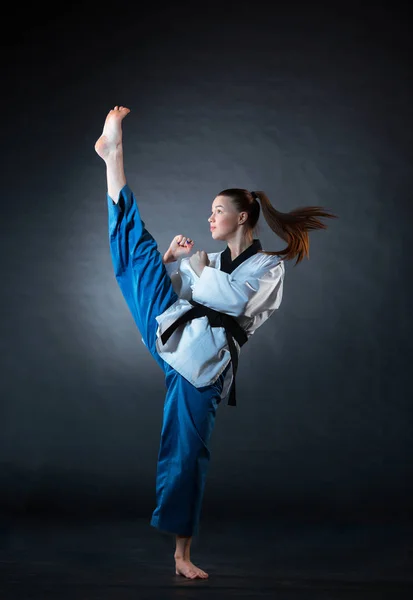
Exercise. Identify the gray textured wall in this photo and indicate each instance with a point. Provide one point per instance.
(312, 107)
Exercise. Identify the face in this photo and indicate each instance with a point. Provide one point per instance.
(225, 219)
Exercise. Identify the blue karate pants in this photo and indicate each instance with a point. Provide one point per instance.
(189, 412)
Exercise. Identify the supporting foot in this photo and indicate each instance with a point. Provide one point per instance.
(188, 569)
(183, 564)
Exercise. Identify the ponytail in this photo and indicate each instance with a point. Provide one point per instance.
(292, 227)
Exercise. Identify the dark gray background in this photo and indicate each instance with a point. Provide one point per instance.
(308, 103)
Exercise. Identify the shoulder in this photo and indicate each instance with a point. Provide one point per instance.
(263, 263)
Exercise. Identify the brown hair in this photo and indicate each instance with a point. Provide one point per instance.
(292, 227)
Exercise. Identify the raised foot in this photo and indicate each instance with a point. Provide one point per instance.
(111, 138)
(189, 570)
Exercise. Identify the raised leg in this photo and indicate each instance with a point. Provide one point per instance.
(138, 265)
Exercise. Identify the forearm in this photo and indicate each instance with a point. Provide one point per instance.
(168, 257)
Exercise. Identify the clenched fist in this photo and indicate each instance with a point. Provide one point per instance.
(180, 246)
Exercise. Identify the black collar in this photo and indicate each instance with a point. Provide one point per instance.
(228, 265)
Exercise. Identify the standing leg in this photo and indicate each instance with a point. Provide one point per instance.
(184, 455)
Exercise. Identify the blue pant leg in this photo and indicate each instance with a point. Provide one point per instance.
(189, 412)
(139, 270)
(184, 455)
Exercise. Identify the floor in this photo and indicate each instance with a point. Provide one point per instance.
(122, 560)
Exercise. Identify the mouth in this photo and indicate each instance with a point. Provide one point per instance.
(212, 228)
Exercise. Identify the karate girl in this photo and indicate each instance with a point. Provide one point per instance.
(194, 313)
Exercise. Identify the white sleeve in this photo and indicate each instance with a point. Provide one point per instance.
(180, 280)
(220, 291)
(172, 268)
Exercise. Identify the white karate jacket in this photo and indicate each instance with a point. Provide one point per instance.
(250, 293)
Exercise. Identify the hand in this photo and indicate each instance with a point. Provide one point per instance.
(198, 261)
(180, 246)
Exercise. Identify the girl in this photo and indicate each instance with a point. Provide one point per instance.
(194, 314)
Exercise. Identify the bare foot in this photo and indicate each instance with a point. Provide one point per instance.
(189, 570)
(111, 137)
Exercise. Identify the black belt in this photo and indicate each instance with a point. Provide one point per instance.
(216, 319)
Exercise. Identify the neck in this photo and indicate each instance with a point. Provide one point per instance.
(238, 244)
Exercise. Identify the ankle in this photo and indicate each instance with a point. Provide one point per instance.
(115, 154)
(183, 547)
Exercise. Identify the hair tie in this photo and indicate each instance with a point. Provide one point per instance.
(254, 195)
